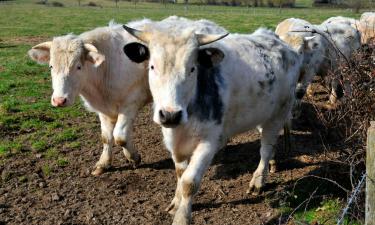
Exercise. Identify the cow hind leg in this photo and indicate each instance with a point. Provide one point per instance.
(268, 142)
(107, 125)
(123, 136)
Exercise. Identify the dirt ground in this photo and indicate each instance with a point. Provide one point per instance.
(70, 195)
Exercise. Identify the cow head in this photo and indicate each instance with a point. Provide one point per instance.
(175, 59)
(69, 60)
(303, 45)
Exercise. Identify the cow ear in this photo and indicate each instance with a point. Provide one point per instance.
(137, 52)
(41, 53)
(210, 57)
(93, 56)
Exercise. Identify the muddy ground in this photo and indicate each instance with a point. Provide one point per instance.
(70, 195)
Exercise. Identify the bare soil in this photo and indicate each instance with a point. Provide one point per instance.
(70, 195)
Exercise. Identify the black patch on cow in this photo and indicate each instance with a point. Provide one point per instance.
(285, 59)
(261, 84)
(204, 59)
(208, 104)
(136, 52)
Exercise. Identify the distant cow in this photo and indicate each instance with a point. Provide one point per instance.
(367, 27)
(92, 65)
(340, 19)
(312, 48)
(322, 47)
(206, 93)
(344, 40)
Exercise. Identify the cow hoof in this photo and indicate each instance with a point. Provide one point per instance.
(135, 161)
(254, 191)
(181, 219)
(98, 171)
(172, 208)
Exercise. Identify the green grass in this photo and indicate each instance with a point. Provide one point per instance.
(28, 123)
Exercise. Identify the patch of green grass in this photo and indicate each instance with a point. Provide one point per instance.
(69, 134)
(22, 179)
(39, 146)
(52, 153)
(9, 147)
(47, 170)
(62, 162)
(74, 144)
(3, 150)
(327, 213)
(9, 106)
(54, 125)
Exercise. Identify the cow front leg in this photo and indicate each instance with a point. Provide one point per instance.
(107, 124)
(268, 141)
(180, 168)
(191, 178)
(123, 136)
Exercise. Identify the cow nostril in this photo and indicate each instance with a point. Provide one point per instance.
(64, 101)
(162, 114)
(178, 116)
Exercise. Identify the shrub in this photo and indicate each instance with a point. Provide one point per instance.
(57, 4)
(93, 4)
(284, 3)
(345, 125)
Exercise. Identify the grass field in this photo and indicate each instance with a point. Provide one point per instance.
(28, 124)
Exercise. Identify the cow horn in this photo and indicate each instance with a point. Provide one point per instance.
(309, 38)
(204, 39)
(141, 35)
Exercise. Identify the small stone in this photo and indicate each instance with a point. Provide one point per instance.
(67, 213)
(42, 184)
(24, 200)
(55, 197)
(117, 192)
(38, 156)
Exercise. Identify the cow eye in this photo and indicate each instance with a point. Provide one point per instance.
(50, 67)
(192, 70)
(79, 67)
(152, 67)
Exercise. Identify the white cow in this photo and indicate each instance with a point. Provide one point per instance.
(344, 41)
(367, 27)
(311, 46)
(345, 20)
(204, 94)
(92, 65)
(331, 43)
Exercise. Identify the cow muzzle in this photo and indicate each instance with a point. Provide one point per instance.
(170, 119)
(59, 101)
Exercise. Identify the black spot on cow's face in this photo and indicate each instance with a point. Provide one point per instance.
(136, 52)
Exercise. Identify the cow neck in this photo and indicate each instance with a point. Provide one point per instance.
(95, 88)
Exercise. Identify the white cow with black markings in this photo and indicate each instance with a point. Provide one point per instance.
(312, 48)
(93, 66)
(205, 93)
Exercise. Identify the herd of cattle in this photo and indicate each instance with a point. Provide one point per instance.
(206, 85)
